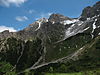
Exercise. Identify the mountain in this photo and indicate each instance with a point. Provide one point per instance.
(56, 44)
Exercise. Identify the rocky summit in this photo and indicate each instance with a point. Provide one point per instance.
(57, 44)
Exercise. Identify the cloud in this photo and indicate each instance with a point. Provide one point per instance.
(21, 18)
(31, 11)
(7, 3)
(3, 28)
(43, 15)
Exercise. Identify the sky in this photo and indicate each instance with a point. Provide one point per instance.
(18, 14)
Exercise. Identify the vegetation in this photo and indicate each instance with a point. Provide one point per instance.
(88, 72)
(88, 63)
(5, 69)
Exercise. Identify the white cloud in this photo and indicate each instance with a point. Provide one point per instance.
(44, 15)
(31, 11)
(3, 28)
(7, 3)
(21, 18)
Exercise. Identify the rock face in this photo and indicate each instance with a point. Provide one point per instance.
(58, 18)
(58, 39)
(68, 27)
(5, 34)
(90, 12)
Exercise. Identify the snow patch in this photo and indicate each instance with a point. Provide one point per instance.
(98, 27)
(40, 21)
(39, 25)
(73, 25)
(80, 23)
(70, 32)
(53, 22)
(98, 15)
(86, 28)
(94, 17)
(94, 26)
(69, 21)
(88, 18)
(98, 33)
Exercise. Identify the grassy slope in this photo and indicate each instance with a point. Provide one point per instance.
(66, 47)
(89, 60)
(92, 52)
(93, 72)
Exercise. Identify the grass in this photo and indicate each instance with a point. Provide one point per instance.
(93, 72)
(64, 73)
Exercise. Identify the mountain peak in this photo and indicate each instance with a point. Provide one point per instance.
(90, 12)
(58, 18)
(98, 3)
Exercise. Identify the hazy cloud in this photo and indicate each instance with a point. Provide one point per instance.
(31, 11)
(7, 3)
(3, 28)
(43, 15)
(21, 18)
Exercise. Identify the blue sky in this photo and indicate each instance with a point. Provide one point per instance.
(18, 14)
